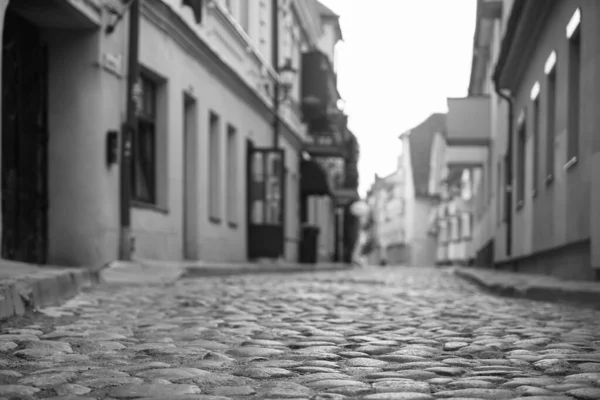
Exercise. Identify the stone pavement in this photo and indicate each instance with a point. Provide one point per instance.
(372, 333)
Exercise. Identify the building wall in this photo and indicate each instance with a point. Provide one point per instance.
(158, 232)
(83, 226)
(423, 246)
(560, 214)
(83, 201)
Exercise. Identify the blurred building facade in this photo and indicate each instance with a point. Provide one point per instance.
(529, 126)
(220, 145)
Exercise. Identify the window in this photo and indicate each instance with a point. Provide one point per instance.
(232, 176)
(143, 177)
(550, 115)
(521, 160)
(214, 169)
(574, 36)
(536, 138)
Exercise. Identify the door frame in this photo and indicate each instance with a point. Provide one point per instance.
(190, 192)
(265, 239)
(25, 174)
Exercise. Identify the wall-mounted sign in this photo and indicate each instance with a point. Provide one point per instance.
(113, 63)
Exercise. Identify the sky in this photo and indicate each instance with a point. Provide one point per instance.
(399, 62)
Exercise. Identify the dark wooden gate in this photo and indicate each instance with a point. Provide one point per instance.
(265, 202)
(24, 142)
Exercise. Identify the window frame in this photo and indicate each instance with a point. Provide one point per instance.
(574, 89)
(536, 114)
(146, 125)
(214, 168)
(232, 171)
(550, 109)
(521, 159)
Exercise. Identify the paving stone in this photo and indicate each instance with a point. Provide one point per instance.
(534, 391)
(264, 373)
(323, 376)
(333, 383)
(154, 390)
(7, 346)
(252, 351)
(17, 390)
(284, 390)
(98, 383)
(172, 374)
(233, 391)
(47, 380)
(590, 393)
(71, 389)
(471, 384)
(398, 396)
(452, 346)
(404, 385)
(365, 362)
(488, 394)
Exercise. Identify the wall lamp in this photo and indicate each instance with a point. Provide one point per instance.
(287, 77)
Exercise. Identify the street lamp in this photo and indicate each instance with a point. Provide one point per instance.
(287, 77)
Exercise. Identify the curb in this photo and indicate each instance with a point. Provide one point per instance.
(555, 292)
(44, 289)
(208, 271)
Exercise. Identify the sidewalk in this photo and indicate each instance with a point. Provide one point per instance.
(28, 287)
(151, 271)
(535, 287)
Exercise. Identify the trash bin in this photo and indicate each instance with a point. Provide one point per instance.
(309, 244)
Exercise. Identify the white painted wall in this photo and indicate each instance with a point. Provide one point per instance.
(159, 234)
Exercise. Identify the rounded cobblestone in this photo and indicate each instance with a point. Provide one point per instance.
(395, 333)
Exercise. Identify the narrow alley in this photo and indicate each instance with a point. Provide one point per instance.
(371, 333)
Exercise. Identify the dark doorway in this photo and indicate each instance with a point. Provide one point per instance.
(24, 142)
(265, 202)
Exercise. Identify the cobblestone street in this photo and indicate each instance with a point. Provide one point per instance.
(385, 333)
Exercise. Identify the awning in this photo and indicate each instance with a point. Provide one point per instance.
(313, 179)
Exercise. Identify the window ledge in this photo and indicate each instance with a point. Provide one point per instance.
(571, 163)
(215, 220)
(149, 206)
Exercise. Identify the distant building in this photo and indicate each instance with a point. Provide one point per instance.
(422, 163)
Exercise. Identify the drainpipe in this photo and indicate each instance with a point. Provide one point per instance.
(275, 58)
(129, 128)
(509, 168)
(276, 122)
